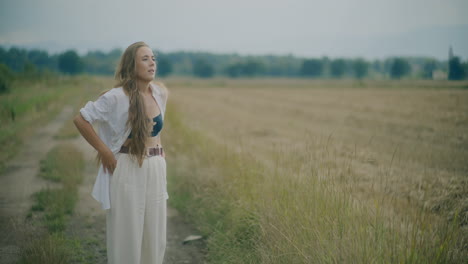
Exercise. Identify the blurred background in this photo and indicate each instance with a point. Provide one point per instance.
(329, 39)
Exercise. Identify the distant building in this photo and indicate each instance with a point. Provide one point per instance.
(439, 75)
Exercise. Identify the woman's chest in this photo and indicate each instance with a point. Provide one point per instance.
(151, 106)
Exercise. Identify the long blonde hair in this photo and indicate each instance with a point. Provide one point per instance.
(125, 76)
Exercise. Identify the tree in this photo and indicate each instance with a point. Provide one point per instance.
(39, 58)
(253, 67)
(70, 62)
(250, 68)
(456, 71)
(428, 68)
(3, 55)
(30, 71)
(234, 70)
(6, 76)
(465, 67)
(16, 58)
(203, 69)
(400, 67)
(281, 65)
(164, 67)
(360, 68)
(338, 68)
(312, 67)
(115, 53)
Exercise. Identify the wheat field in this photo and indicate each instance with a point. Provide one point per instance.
(399, 148)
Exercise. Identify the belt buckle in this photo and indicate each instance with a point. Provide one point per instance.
(148, 154)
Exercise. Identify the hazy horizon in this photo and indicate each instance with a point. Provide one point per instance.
(356, 28)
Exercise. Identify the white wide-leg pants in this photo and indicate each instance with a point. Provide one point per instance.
(136, 222)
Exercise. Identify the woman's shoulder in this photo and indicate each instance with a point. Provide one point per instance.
(113, 92)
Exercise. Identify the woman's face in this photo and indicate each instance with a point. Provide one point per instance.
(145, 64)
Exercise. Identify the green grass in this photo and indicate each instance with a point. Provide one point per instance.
(54, 248)
(57, 205)
(33, 102)
(288, 214)
(63, 164)
(29, 104)
(52, 209)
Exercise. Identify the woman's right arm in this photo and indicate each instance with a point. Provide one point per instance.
(87, 131)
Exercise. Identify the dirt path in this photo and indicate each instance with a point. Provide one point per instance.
(20, 180)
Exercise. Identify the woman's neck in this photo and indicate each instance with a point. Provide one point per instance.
(144, 87)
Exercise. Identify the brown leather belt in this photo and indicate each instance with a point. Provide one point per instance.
(151, 151)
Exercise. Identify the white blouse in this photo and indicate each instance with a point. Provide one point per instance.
(110, 110)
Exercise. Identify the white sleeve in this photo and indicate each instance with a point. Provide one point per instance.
(98, 110)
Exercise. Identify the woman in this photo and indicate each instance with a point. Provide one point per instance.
(131, 182)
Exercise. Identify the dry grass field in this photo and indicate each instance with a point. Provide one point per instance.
(396, 147)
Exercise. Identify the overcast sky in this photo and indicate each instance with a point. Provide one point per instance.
(335, 28)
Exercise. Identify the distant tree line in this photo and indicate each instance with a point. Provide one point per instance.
(206, 65)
